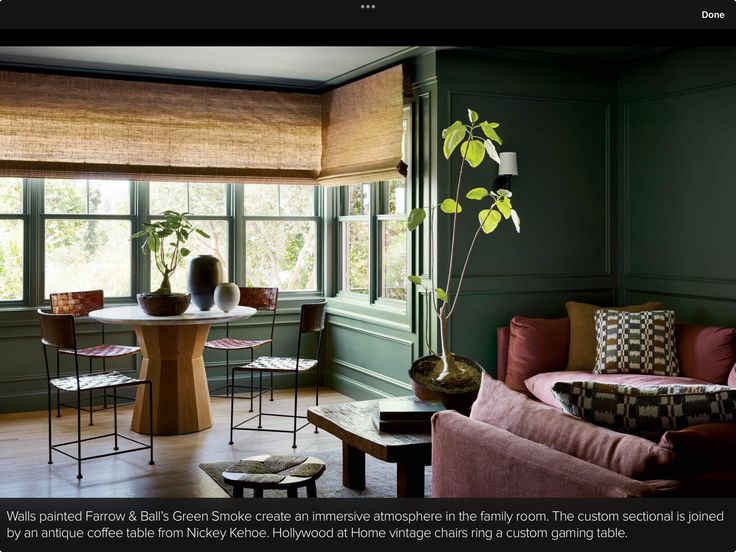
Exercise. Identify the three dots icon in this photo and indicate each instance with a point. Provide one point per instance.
(367, 6)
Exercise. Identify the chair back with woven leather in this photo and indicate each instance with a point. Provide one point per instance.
(312, 317)
(77, 303)
(259, 298)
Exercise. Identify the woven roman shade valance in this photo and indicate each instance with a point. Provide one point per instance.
(81, 127)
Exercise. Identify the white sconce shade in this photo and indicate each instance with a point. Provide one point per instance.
(507, 166)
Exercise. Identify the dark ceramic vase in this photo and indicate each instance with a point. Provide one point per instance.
(205, 272)
(456, 393)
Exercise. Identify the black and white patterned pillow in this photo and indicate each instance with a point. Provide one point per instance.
(646, 411)
(636, 343)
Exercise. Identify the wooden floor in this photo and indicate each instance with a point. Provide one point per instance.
(25, 473)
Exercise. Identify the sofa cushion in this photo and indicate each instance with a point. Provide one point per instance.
(581, 354)
(536, 345)
(646, 411)
(704, 447)
(705, 352)
(628, 455)
(636, 343)
(541, 385)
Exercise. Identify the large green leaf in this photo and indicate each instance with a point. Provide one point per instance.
(441, 294)
(489, 130)
(453, 139)
(473, 116)
(477, 193)
(184, 251)
(415, 218)
(202, 233)
(473, 152)
(138, 234)
(452, 127)
(153, 242)
(415, 279)
(491, 150)
(504, 192)
(503, 204)
(517, 220)
(449, 206)
(489, 219)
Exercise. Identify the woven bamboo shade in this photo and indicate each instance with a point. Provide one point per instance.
(362, 130)
(80, 127)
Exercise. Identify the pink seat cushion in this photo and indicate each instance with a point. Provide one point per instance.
(541, 385)
(705, 352)
(628, 455)
(536, 345)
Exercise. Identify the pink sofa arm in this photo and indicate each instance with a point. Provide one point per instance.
(472, 459)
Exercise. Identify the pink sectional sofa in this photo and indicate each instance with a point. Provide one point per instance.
(519, 443)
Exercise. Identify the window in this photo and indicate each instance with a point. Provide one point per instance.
(74, 234)
(12, 232)
(86, 226)
(372, 225)
(281, 236)
(208, 205)
(373, 239)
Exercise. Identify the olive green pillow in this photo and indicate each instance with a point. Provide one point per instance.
(581, 355)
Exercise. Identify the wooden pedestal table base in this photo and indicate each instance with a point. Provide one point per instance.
(172, 349)
(173, 361)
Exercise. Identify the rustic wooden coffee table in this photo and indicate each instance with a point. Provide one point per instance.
(352, 422)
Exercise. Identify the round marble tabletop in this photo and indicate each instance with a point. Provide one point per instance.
(134, 316)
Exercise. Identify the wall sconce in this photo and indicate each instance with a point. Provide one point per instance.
(507, 168)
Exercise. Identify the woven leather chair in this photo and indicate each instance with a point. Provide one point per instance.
(311, 321)
(259, 298)
(58, 332)
(81, 303)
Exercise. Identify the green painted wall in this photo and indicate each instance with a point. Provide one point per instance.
(558, 117)
(677, 120)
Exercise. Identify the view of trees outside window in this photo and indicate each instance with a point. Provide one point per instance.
(355, 239)
(393, 233)
(11, 238)
(280, 237)
(87, 226)
(391, 241)
(201, 200)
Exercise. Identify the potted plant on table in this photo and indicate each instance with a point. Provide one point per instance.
(165, 240)
(456, 379)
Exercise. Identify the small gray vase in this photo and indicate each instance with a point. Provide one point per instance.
(227, 296)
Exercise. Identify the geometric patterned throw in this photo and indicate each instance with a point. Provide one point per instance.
(646, 411)
(636, 343)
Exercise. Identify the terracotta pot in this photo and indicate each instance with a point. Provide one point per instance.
(457, 393)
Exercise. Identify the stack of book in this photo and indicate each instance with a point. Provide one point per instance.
(405, 415)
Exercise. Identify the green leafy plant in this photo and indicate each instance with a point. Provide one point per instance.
(476, 143)
(165, 239)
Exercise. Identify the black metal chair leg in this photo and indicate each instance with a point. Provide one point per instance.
(150, 418)
(260, 397)
(79, 433)
(251, 383)
(58, 402)
(114, 415)
(271, 385)
(90, 396)
(227, 373)
(296, 399)
(232, 406)
(316, 392)
(104, 393)
(48, 385)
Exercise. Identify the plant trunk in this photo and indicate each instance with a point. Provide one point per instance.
(165, 287)
(449, 368)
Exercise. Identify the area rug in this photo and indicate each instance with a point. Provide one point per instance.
(380, 478)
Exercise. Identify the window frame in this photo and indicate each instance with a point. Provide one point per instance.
(132, 217)
(25, 217)
(240, 227)
(34, 247)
